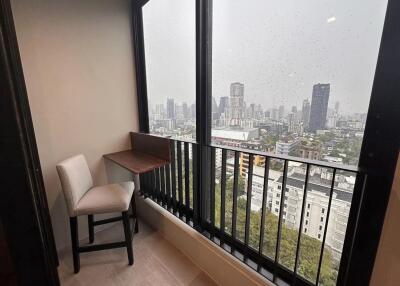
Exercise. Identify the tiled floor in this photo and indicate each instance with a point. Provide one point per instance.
(157, 262)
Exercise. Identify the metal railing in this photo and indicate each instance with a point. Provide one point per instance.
(260, 235)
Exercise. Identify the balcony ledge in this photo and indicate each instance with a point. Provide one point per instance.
(213, 260)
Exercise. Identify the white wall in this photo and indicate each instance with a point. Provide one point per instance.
(79, 71)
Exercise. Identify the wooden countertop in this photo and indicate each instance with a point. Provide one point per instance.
(136, 161)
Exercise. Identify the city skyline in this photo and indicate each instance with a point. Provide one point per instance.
(314, 131)
(339, 45)
(332, 105)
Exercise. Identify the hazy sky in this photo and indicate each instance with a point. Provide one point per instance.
(278, 49)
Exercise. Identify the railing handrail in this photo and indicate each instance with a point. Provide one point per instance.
(175, 188)
(341, 167)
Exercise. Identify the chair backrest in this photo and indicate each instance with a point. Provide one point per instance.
(75, 179)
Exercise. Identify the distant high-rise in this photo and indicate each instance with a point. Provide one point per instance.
(170, 108)
(223, 104)
(252, 111)
(179, 112)
(319, 107)
(185, 110)
(236, 104)
(274, 114)
(281, 113)
(305, 113)
(193, 110)
(214, 108)
(337, 105)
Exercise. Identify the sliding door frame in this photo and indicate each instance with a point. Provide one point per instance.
(380, 146)
(23, 206)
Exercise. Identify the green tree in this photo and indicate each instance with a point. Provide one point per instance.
(309, 247)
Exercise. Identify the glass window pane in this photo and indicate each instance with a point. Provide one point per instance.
(294, 77)
(170, 52)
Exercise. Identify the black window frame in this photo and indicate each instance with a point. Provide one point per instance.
(377, 163)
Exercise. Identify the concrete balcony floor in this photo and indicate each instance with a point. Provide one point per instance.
(157, 262)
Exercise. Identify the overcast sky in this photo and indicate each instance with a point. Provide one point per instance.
(278, 49)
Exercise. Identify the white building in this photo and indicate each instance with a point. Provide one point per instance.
(284, 147)
(316, 205)
(238, 134)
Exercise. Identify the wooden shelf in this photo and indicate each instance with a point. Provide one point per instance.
(148, 153)
(136, 162)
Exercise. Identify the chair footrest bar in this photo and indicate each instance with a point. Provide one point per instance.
(104, 246)
(107, 220)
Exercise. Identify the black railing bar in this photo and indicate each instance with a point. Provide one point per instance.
(149, 184)
(141, 183)
(153, 185)
(326, 227)
(264, 204)
(349, 168)
(158, 184)
(180, 186)
(265, 262)
(223, 189)
(163, 187)
(173, 176)
(158, 180)
(168, 184)
(235, 193)
(278, 237)
(196, 211)
(303, 210)
(248, 202)
(187, 173)
(212, 188)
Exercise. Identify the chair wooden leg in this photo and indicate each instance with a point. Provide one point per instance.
(91, 228)
(135, 214)
(73, 223)
(128, 238)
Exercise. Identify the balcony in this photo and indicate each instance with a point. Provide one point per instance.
(257, 236)
(94, 70)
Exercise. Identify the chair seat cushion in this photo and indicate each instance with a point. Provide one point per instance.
(106, 199)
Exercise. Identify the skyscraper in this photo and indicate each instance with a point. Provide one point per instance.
(214, 109)
(337, 104)
(223, 104)
(185, 110)
(319, 106)
(305, 113)
(236, 105)
(281, 113)
(275, 114)
(170, 108)
(193, 111)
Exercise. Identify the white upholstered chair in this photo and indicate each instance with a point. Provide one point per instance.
(82, 198)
